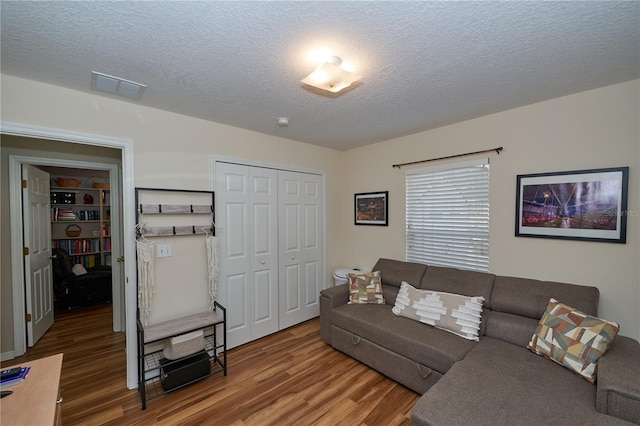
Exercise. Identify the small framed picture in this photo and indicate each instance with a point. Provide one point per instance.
(588, 205)
(372, 208)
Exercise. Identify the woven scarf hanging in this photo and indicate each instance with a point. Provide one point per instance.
(213, 268)
(146, 278)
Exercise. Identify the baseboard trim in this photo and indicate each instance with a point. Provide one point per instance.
(4, 356)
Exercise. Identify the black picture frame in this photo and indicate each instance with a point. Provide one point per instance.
(371, 208)
(586, 205)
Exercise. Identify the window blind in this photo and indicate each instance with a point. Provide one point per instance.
(448, 216)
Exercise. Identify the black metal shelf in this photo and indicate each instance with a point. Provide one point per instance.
(149, 363)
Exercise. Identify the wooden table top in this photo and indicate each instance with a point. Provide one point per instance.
(34, 400)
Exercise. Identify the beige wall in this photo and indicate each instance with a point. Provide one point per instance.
(594, 129)
(170, 150)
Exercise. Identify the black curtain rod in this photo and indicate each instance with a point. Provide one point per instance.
(497, 150)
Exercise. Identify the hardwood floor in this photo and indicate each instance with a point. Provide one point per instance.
(288, 378)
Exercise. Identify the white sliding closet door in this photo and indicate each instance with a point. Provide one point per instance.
(300, 246)
(246, 216)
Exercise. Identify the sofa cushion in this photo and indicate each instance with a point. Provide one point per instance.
(511, 328)
(454, 313)
(419, 342)
(365, 288)
(396, 271)
(572, 338)
(529, 298)
(459, 281)
(390, 293)
(499, 383)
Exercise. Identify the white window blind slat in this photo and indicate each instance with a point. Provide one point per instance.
(448, 217)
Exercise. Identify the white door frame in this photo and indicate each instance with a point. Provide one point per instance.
(128, 214)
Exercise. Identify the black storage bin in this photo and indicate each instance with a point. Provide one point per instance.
(180, 372)
(63, 198)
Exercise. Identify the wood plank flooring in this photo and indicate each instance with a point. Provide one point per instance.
(288, 378)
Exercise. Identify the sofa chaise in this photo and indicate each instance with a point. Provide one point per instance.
(496, 380)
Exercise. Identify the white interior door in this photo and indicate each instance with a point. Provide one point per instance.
(36, 210)
(264, 251)
(300, 246)
(246, 214)
(232, 222)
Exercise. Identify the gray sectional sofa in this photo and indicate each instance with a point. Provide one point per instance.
(497, 380)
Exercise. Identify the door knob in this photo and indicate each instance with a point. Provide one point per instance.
(262, 261)
(53, 256)
(293, 257)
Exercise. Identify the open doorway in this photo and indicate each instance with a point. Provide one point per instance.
(63, 150)
(81, 240)
(98, 244)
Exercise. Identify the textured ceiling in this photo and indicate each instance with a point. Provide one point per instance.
(424, 64)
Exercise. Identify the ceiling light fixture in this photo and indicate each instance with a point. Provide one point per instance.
(330, 76)
(116, 85)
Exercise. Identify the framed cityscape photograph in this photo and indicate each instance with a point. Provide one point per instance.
(372, 208)
(588, 205)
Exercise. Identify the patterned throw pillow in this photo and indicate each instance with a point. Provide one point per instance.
(366, 288)
(451, 312)
(572, 338)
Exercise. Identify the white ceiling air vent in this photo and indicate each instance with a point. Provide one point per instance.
(116, 85)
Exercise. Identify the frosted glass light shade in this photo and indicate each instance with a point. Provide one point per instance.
(329, 76)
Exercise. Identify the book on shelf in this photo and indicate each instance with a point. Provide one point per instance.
(79, 246)
(86, 260)
(89, 215)
(62, 214)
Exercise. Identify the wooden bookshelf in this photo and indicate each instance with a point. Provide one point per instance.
(87, 210)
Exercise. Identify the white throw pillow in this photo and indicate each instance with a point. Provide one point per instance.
(455, 313)
(78, 269)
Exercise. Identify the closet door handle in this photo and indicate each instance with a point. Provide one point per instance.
(262, 261)
(293, 257)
